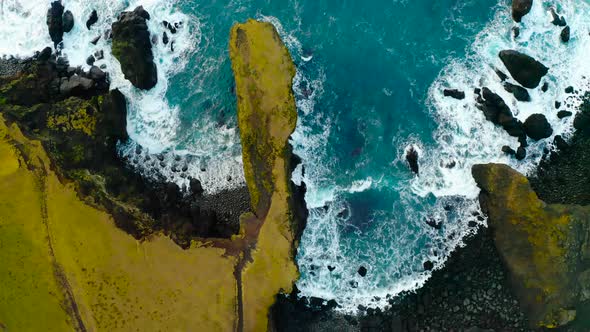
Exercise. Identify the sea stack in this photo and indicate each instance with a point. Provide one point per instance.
(133, 48)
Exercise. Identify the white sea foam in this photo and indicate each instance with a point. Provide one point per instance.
(152, 121)
(463, 138)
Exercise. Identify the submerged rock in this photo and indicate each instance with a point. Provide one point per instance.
(537, 127)
(524, 69)
(520, 8)
(454, 93)
(55, 22)
(545, 247)
(133, 49)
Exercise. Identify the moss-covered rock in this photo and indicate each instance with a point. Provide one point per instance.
(545, 247)
(133, 48)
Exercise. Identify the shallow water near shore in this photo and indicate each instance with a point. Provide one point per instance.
(369, 85)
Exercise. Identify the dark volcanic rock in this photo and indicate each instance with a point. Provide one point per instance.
(508, 150)
(556, 19)
(569, 89)
(76, 85)
(501, 75)
(515, 32)
(55, 22)
(362, 271)
(520, 93)
(565, 34)
(520, 153)
(412, 159)
(524, 69)
(537, 127)
(92, 19)
(520, 8)
(133, 49)
(95, 40)
(564, 114)
(496, 111)
(545, 87)
(454, 93)
(68, 21)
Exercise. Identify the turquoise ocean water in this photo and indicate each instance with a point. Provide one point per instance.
(369, 86)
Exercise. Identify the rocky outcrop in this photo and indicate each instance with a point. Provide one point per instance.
(545, 247)
(412, 159)
(92, 19)
(520, 93)
(55, 22)
(496, 111)
(133, 48)
(68, 21)
(520, 8)
(524, 69)
(537, 127)
(454, 93)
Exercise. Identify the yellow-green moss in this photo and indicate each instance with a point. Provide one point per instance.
(74, 114)
(267, 115)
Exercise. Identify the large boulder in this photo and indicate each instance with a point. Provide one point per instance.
(520, 8)
(495, 110)
(55, 22)
(68, 21)
(524, 69)
(537, 127)
(133, 49)
(546, 248)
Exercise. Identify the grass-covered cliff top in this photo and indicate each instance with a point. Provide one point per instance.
(267, 115)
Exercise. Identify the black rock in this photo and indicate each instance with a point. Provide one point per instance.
(556, 19)
(520, 8)
(68, 21)
(569, 89)
(537, 127)
(496, 111)
(582, 121)
(515, 32)
(565, 34)
(412, 159)
(92, 19)
(165, 39)
(133, 49)
(545, 87)
(564, 114)
(362, 271)
(520, 153)
(557, 104)
(501, 75)
(95, 40)
(96, 74)
(99, 55)
(524, 69)
(428, 266)
(560, 143)
(520, 93)
(45, 55)
(454, 93)
(434, 223)
(90, 60)
(169, 26)
(55, 22)
(331, 268)
(508, 150)
(196, 187)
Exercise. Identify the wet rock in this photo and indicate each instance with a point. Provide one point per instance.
(501, 75)
(412, 159)
(362, 271)
(96, 74)
(196, 187)
(165, 39)
(560, 143)
(55, 22)
(557, 104)
(545, 87)
(428, 266)
(520, 93)
(496, 111)
(454, 93)
(569, 89)
(90, 60)
(564, 114)
(169, 26)
(508, 150)
(68, 21)
(537, 127)
(133, 49)
(95, 40)
(520, 153)
(565, 34)
(92, 19)
(520, 8)
(556, 19)
(515, 32)
(45, 55)
(99, 55)
(434, 223)
(331, 268)
(524, 69)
